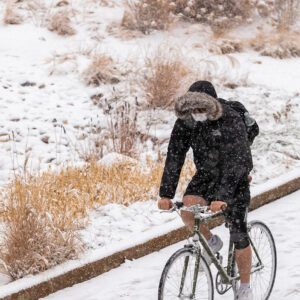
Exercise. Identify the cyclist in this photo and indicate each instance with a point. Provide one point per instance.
(218, 136)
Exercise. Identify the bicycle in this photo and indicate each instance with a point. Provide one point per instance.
(187, 274)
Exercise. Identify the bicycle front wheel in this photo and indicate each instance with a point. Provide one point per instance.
(177, 278)
(262, 281)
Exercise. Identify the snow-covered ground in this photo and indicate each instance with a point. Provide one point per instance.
(46, 106)
(48, 115)
(139, 279)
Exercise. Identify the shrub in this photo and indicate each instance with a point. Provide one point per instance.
(283, 13)
(60, 23)
(11, 16)
(101, 70)
(277, 44)
(42, 213)
(166, 72)
(226, 46)
(123, 130)
(32, 241)
(146, 15)
(287, 12)
(220, 15)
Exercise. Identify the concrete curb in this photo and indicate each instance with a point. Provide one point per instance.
(103, 265)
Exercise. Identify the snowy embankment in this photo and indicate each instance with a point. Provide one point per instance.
(120, 239)
(139, 279)
(48, 115)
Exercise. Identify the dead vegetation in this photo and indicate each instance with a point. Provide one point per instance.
(41, 214)
(166, 73)
(11, 15)
(220, 15)
(281, 116)
(102, 70)
(277, 44)
(226, 46)
(32, 241)
(123, 130)
(60, 22)
(146, 15)
(282, 13)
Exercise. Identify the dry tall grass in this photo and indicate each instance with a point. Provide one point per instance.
(287, 12)
(32, 240)
(277, 44)
(60, 23)
(166, 72)
(123, 130)
(146, 15)
(11, 15)
(42, 213)
(101, 70)
(282, 13)
(220, 15)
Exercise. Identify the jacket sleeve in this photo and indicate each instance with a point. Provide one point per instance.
(179, 144)
(236, 159)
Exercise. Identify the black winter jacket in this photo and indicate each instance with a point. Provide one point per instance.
(221, 151)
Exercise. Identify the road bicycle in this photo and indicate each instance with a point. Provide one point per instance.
(187, 274)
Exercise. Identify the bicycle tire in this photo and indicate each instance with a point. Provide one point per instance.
(262, 281)
(170, 280)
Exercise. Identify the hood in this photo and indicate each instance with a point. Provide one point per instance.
(191, 100)
(203, 86)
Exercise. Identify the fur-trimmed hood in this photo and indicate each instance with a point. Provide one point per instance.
(191, 100)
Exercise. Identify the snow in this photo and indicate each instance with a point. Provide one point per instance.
(139, 279)
(114, 228)
(55, 106)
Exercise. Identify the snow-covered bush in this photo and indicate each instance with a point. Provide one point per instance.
(277, 45)
(101, 70)
(219, 14)
(226, 46)
(283, 13)
(60, 22)
(32, 240)
(12, 16)
(123, 130)
(146, 15)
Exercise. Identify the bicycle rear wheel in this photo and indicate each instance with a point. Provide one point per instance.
(182, 265)
(262, 281)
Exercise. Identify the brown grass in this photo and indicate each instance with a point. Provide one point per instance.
(31, 241)
(11, 16)
(277, 44)
(101, 70)
(123, 130)
(166, 74)
(60, 23)
(226, 46)
(287, 13)
(220, 15)
(92, 148)
(42, 213)
(146, 15)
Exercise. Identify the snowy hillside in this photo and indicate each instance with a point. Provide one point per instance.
(59, 94)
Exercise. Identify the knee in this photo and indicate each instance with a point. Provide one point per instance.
(187, 218)
(190, 200)
(240, 240)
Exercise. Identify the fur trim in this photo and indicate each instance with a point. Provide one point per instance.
(191, 100)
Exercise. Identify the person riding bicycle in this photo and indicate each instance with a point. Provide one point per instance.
(219, 138)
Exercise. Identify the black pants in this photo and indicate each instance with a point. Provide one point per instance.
(236, 213)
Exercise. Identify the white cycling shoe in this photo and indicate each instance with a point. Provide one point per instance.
(244, 294)
(215, 247)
